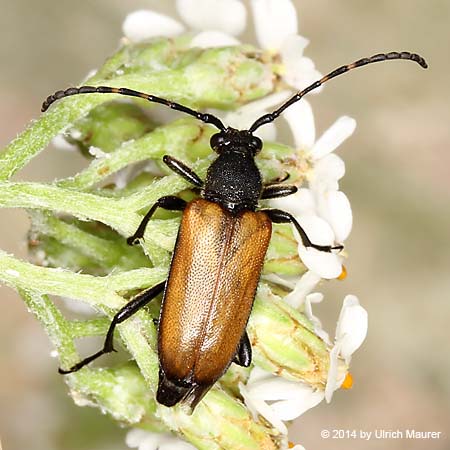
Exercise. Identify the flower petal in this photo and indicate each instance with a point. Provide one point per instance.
(299, 204)
(209, 39)
(274, 20)
(304, 286)
(300, 119)
(309, 300)
(229, 16)
(303, 398)
(286, 281)
(273, 388)
(333, 137)
(267, 133)
(326, 265)
(258, 374)
(257, 406)
(351, 329)
(293, 47)
(326, 173)
(317, 229)
(339, 214)
(332, 378)
(134, 437)
(300, 72)
(267, 102)
(145, 24)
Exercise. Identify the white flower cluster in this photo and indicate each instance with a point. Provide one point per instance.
(321, 209)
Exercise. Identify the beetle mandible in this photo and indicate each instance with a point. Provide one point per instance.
(218, 255)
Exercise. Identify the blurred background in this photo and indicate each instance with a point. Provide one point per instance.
(398, 182)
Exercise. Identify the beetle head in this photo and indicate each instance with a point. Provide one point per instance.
(232, 140)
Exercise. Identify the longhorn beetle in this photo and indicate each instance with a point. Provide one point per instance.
(218, 255)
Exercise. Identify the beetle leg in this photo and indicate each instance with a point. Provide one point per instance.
(277, 180)
(278, 190)
(184, 171)
(169, 202)
(278, 216)
(244, 352)
(124, 313)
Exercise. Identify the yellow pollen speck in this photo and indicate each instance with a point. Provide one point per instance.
(348, 381)
(291, 444)
(343, 274)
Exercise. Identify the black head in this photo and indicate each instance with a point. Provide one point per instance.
(233, 179)
(234, 140)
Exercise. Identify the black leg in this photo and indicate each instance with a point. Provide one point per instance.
(183, 170)
(244, 352)
(127, 311)
(277, 190)
(278, 180)
(278, 216)
(169, 202)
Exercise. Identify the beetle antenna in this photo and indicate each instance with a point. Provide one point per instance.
(270, 117)
(204, 117)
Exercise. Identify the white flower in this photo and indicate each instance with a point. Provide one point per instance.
(228, 16)
(276, 31)
(145, 24)
(277, 399)
(217, 20)
(146, 440)
(351, 330)
(323, 211)
(301, 205)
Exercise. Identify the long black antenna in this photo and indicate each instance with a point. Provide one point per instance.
(207, 118)
(270, 117)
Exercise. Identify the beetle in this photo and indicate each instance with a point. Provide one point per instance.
(219, 252)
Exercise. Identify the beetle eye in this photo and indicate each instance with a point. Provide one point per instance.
(216, 141)
(256, 143)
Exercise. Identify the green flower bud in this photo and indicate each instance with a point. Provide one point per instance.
(108, 126)
(284, 342)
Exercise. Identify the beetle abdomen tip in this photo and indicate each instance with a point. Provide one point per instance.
(171, 392)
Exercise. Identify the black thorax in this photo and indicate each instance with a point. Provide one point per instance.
(233, 180)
